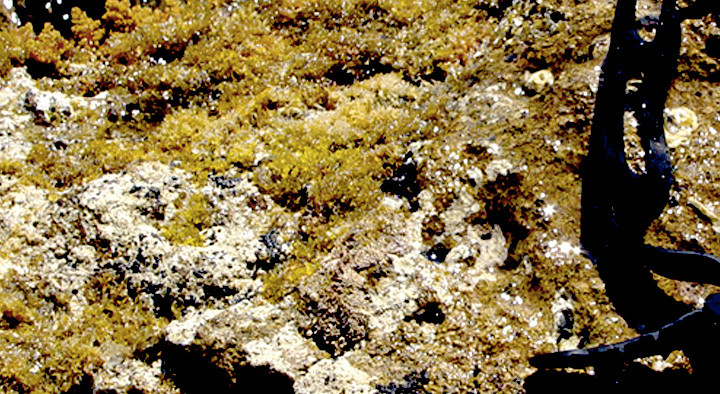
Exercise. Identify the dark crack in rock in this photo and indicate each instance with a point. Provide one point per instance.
(196, 370)
(428, 313)
(404, 182)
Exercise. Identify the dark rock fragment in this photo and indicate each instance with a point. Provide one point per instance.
(224, 182)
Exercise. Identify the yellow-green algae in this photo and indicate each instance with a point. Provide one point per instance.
(218, 86)
(49, 347)
(185, 227)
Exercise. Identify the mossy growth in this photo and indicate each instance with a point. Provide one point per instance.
(47, 346)
(336, 161)
(196, 142)
(51, 169)
(193, 216)
(86, 30)
(13, 49)
(10, 167)
(320, 237)
(308, 96)
(278, 284)
(248, 73)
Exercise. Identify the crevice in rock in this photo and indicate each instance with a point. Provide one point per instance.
(428, 313)
(404, 182)
(360, 70)
(195, 369)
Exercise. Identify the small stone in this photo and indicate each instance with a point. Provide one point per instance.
(497, 168)
(476, 175)
(539, 81)
(680, 122)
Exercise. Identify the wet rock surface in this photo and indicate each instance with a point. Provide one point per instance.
(351, 197)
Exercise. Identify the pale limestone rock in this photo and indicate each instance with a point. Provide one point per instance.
(334, 377)
(498, 167)
(184, 331)
(286, 351)
(454, 217)
(131, 375)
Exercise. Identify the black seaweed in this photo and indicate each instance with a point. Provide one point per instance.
(618, 205)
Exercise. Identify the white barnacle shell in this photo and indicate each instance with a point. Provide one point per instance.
(680, 122)
(539, 81)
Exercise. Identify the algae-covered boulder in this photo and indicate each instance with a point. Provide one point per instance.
(316, 196)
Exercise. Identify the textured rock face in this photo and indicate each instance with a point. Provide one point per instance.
(326, 197)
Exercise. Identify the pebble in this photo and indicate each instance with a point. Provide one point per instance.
(539, 81)
(680, 122)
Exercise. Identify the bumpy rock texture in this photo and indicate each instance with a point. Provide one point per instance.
(318, 197)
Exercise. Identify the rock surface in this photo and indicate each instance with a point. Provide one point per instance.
(334, 197)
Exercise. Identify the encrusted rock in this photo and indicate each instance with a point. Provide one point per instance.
(498, 167)
(334, 376)
(680, 122)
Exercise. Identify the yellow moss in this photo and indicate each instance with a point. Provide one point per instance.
(13, 311)
(277, 285)
(49, 47)
(87, 31)
(194, 140)
(13, 50)
(118, 16)
(336, 160)
(103, 156)
(242, 154)
(194, 216)
(47, 348)
(50, 169)
(242, 48)
(182, 131)
(10, 167)
(145, 30)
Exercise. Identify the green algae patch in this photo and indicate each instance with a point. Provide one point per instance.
(193, 140)
(193, 216)
(10, 167)
(318, 103)
(336, 161)
(48, 346)
(108, 156)
(173, 55)
(51, 168)
(277, 285)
